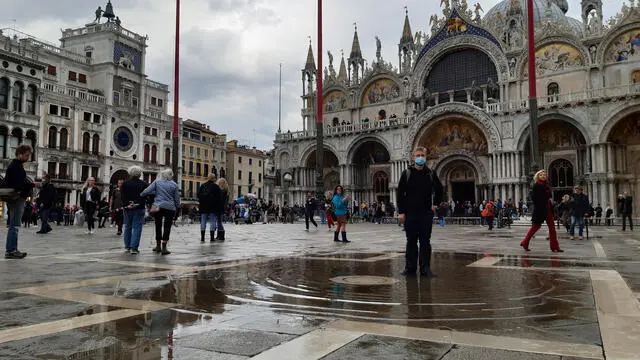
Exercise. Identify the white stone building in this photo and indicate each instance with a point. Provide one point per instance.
(462, 92)
(86, 106)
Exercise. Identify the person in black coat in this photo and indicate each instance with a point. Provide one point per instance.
(542, 211)
(309, 210)
(627, 210)
(580, 208)
(89, 202)
(209, 202)
(46, 200)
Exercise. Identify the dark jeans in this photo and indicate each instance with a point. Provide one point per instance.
(44, 218)
(13, 224)
(163, 232)
(308, 216)
(624, 221)
(89, 211)
(219, 225)
(418, 230)
(489, 220)
(119, 216)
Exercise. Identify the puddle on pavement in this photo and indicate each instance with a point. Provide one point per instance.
(534, 304)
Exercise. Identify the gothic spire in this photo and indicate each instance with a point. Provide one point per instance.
(356, 53)
(407, 35)
(342, 73)
(311, 63)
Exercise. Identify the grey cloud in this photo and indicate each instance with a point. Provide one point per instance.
(28, 10)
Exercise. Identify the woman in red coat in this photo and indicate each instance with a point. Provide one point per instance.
(542, 211)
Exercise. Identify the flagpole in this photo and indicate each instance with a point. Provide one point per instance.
(280, 102)
(319, 122)
(176, 97)
(533, 97)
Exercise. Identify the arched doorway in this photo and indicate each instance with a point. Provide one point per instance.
(459, 179)
(625, 156)
(305, 178)
(561, 177)
(370, 169)
(559, 139)
(332, 180)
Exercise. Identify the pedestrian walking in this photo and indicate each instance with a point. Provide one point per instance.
(134, 209)
(627, 211)
(608, 213)
(89, 202)
(116, 206)
(309, 210)
(46, 200)
(489, 213)
(16, 189)
(542, 211)
(564, 212)
(339, 201)
(580, 208)
(598, 212)
(418, 190)
(165, 204)
(209, 203)
(222, 207)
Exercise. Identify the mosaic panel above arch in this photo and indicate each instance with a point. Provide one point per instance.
(556, 57)
(381, 90)
(626, 46)
(335, 101)
(453, 134)
(627, 131)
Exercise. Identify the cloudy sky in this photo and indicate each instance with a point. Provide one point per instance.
(231, 49)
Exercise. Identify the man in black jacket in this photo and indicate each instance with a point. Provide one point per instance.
(580, 208)
(210, 204)
(627, 211)
(418, 189)
(309, 210)
(46, 200)
(16, 178)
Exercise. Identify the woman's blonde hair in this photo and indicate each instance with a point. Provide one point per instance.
(222, 182)
(565, 198)
(536, 177)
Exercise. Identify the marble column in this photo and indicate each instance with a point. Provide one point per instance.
(491, 166)
(518, 194)
(611, 165)
(592, 152)
(518, 164)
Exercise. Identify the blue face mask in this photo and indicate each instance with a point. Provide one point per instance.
(420, 161)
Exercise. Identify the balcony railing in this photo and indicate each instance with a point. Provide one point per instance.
(554, 100)
(102, 27)
(349, 128)
(157, 85)
(76, 93)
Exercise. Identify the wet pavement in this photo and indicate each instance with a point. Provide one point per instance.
(277, 292)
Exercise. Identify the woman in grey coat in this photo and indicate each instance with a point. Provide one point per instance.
(167, 201)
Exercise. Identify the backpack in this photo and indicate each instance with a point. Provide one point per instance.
(408, 174)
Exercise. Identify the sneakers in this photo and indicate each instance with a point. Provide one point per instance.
(580, 238)
(15, 255)
(127, 251)
(571, 238)
(135, 252)
(92, 232)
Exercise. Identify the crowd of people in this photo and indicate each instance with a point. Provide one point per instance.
(419, 202)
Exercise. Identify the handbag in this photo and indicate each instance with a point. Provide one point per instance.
(9, 195)
(153, 209)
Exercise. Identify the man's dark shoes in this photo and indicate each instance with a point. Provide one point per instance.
(15, 255)
(213, 236)
(406, 272)
(41, 232)
(427, 273)
(164, 250)
(135, 251)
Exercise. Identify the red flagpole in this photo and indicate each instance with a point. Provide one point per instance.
(176, 96)
(533, 97)
(319, 70)
(319, 122)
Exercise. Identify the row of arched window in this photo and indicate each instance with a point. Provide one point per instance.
(151, 154)
(58, 139)
(90, 144)
(21, 99)
(9, 141)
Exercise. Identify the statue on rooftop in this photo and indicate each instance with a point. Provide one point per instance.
(98, 15)
(108, 12)
(118, 22)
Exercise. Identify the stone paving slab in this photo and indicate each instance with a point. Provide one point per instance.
(373, 347)
(236, 342)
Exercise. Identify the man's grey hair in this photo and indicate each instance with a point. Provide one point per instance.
(166, 174)
(135, 171)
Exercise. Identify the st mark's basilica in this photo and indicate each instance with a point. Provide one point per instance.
(461, 91)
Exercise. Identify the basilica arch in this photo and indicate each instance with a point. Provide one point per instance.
(369, 172)
(461, 178)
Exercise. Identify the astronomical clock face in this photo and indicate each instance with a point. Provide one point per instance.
(126, 57)
(123, 138)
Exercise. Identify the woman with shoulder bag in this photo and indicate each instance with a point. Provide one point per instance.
(165, 205)
(89, 200)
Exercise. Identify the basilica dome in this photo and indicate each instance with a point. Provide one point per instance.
(543, 11)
